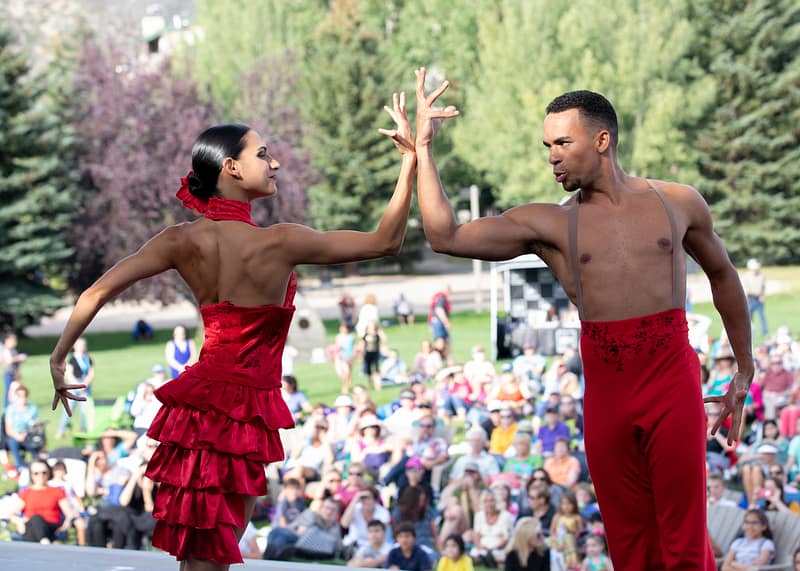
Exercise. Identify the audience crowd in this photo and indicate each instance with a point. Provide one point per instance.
(474, 463)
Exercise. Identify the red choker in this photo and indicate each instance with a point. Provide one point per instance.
(215, 208)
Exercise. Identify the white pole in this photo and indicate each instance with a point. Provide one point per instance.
(474, 208)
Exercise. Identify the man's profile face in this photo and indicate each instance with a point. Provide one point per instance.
(573, 153)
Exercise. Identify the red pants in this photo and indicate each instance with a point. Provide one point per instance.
(645, 434)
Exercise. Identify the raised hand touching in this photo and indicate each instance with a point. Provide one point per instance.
(429, 120)
(402, 136)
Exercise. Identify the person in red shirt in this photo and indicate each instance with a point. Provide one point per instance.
(46, 511)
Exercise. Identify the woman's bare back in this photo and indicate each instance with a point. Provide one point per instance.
(231, 261)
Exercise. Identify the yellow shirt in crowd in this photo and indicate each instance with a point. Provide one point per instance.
(501, 439)
(447, 564)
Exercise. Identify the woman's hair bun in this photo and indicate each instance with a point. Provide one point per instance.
(197, 188)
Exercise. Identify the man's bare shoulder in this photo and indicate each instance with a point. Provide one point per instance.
(677, 191)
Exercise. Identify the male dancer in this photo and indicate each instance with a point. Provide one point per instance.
(644, 420)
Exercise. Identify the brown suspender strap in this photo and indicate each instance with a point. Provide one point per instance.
(573, 255)
(677, 300)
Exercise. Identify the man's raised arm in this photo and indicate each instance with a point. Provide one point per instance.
(492, 238)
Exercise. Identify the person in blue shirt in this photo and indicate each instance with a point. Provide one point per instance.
(408, 555)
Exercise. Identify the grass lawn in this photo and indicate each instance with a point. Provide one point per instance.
(122, 363)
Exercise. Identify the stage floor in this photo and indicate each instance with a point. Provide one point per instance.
(22, 556)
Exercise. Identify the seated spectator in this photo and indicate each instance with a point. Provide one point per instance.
(142, 331)
(106, 482)
(320, 532)
(413, 507)
(527, 549)
(793, 459)
(552, 430)
(524, 461)
(331, 482)
(503, 434)
(514, 394)
(755, 548)
(587, 502)
(117, 444)
(399, 421)
(248, 544)
(356, 518)
(478, 369)
(716, 491)
(477, 458)
(551, 400)
(415, 476)
(718, 450)
(145, 406)
(459, 502)
(393, 369)
(563, 468)
(596, 556)
(46, 511)
(375, 552)
(770, 497)
(455, 395)
(430, 450)
(569, 415)
(530, 365)
(427, 362)
(368, 448)
(568, 382)
(454, 557)
(408, 555)
(341, 424)
(539, 504)
(505, 501)
(137, 499)
(776, 386)
(309, 456)
(566, 527)
(754, 468)
(353, 485)
(295, 399)
(20, 418)
(290, 503)
(490, 532)
(59, 480)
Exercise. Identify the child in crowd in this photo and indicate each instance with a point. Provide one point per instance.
(566, 527)
(453, 556)
(290, 503)
(408, 555)
(596, 558)
(755, 548)
(376, 552)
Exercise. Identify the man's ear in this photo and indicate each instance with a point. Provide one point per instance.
(602, 140)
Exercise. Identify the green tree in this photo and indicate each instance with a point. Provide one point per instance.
(233, 41)
(750, 157)
(36, 190)
(347, 81)
(632, 51)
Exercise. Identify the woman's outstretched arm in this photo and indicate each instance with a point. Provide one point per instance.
(154, 257)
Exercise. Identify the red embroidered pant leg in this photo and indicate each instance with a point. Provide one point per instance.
(645, 429)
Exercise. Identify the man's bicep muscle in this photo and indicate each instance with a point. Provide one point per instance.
(701, 242)
(516, 232)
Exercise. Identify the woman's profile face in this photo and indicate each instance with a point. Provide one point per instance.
(258, 168)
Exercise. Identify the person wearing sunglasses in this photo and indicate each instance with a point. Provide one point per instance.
(45, 510)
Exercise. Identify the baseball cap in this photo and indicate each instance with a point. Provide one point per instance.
(158, 368)
(342, 401)
(767, 449)
(471, 467)
(368, 421)
(494, 405)
(414, 463)
(407, 394)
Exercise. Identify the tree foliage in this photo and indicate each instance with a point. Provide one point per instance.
(36, 190)
(750, 156)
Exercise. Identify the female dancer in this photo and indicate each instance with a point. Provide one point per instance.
(220, 419)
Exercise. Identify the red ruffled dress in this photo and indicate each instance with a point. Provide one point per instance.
(218, 428)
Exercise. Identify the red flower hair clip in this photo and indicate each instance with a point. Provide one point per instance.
(188, 199)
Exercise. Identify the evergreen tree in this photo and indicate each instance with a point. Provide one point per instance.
(750, 157)
(36, 191)
(348, 80)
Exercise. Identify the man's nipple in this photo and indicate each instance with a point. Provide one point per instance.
(585, 258)
(665, 243)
